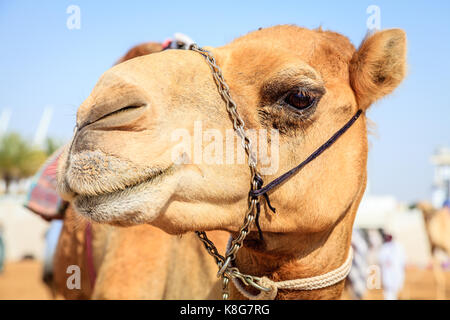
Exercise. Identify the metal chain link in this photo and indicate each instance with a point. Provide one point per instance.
(226, 271)
(210, 247)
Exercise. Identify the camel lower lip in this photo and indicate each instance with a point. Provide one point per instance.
(128, 206)
(155, 178)
(78, 183)
(113, 194)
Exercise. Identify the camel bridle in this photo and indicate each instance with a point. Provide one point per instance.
(227, 271)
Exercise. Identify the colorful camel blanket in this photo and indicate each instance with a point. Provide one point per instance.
(42, 197)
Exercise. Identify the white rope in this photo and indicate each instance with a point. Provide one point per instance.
(306, 284)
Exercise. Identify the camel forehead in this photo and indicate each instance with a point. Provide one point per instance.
(297, 39)
(268, 49)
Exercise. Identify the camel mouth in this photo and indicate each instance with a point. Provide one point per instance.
(107, 189)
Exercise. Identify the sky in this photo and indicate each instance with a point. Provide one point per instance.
(43, 63)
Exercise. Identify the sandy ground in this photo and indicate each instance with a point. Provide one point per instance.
(22, 280)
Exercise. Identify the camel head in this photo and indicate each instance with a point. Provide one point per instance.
(153, 138)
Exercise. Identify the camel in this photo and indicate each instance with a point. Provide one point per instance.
(121, 169)
(437, 227)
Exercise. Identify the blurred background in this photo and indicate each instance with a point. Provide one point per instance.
(53, 52)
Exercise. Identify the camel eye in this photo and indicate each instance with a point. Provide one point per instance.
(300, 100)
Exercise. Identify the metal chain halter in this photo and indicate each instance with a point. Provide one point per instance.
(226, 271)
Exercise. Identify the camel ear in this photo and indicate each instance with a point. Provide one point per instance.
(378, 66)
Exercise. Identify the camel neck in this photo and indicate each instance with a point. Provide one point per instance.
(292, 256)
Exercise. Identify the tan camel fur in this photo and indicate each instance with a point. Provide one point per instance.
(120, 168)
